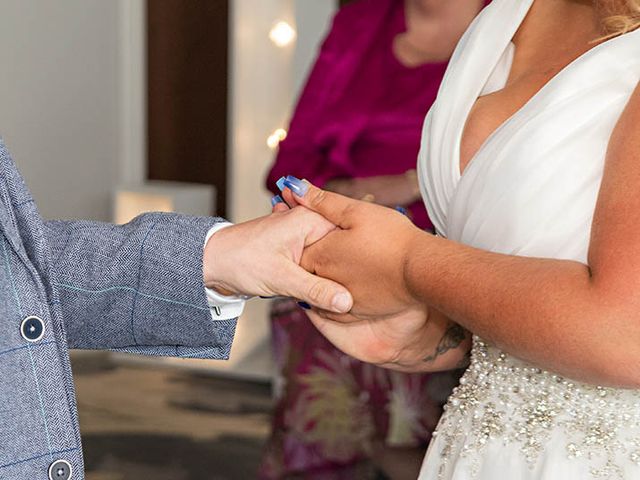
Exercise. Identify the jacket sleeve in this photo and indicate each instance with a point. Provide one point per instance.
(137, 287)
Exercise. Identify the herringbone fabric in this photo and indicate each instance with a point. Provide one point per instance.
(134, 288)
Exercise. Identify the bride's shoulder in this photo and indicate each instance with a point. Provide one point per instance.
(626, 49)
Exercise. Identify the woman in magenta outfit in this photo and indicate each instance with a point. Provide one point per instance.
(356, 130)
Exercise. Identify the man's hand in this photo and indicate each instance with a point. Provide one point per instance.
(262, 256)
(367, 253)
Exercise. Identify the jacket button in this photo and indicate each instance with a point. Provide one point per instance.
(60, 470)
(32, 329)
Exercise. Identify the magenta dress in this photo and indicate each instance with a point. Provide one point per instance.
(360, 115)
(361, 111)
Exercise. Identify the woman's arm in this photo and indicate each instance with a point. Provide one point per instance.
(582, 321)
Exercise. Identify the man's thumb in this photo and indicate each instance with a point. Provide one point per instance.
(320, 292)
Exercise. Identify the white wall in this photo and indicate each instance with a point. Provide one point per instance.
(265, 80)
(62, 100)
(264, 85)
(72, 110)
(312, 22)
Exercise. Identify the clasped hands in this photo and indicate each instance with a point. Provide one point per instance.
(344, 257)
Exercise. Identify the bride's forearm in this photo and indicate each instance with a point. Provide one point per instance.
(548, 312)
(577, 320)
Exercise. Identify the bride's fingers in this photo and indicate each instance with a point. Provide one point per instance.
(278, 205)
(289, 197)
(334, 331)
(326, 327)
(332, 206)
(340, 318)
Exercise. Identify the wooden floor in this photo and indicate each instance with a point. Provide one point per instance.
(141, 423)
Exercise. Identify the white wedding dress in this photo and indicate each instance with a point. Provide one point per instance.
(530, 190)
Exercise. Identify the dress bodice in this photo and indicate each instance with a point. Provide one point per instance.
(530, 190)
(509, 402)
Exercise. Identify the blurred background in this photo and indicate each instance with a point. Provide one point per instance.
(99, 100)
(104, 97)
(115, 107)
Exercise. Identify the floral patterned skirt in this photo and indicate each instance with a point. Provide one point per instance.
(332, 409)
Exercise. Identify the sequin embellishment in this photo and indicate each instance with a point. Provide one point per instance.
(503, 399)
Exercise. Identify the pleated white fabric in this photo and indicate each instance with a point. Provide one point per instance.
(530, 190)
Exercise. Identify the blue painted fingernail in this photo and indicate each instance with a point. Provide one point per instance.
(402, 210)
(280, 183)
(276, 200)
(305, 305)
(296, 185)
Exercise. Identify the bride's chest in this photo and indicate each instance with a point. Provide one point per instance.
(532, 151)
(532, 187)
(494, 108)
(485, 117)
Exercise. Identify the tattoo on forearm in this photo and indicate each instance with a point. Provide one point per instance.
(452, 338)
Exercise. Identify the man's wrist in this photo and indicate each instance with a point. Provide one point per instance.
(222, 301)
(220, 289)
(214, 251)
(211, 259)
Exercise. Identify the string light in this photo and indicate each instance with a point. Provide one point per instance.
(276, 137)
(282, 34)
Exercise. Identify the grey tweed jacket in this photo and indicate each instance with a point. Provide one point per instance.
(133, 288)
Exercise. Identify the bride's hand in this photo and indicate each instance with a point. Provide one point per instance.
(398, 341)
(367, 254)
(387, 326)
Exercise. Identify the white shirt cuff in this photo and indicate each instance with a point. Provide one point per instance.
(223, 307)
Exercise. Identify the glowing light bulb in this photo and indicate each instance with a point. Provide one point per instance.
(276, 137)
(282, 34)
